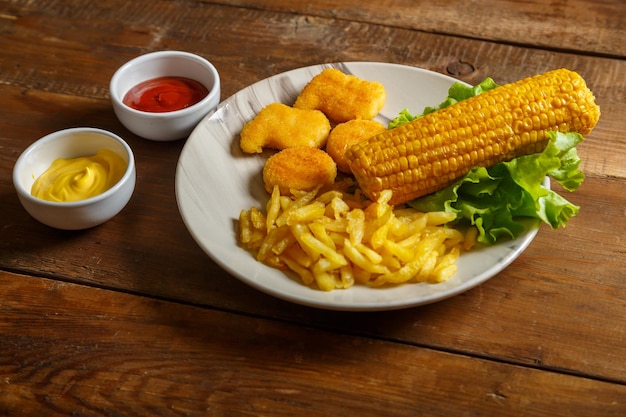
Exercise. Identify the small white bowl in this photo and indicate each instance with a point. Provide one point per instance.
(171, 125)
(72, 143)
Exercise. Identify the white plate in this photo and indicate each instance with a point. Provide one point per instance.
(215, 181)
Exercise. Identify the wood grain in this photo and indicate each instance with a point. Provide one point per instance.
(111, 256)
(136, 356)
(579, 26)
(132, 318)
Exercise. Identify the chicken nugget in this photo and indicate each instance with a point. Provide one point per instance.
(344, 135)
(301, 168)
(342, 97)
(278, 126)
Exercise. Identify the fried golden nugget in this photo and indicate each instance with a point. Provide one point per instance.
(342, 97)
(302, 168)
(278, 126)
(344, 135)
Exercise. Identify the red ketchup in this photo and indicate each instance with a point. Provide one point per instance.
(165, 94)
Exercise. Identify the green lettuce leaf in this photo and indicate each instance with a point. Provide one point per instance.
(493, 199)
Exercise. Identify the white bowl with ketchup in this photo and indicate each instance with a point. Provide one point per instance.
(163, 95)
(75, 178)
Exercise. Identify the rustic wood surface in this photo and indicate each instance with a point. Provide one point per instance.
(132, 318)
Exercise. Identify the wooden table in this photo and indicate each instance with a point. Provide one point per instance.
(133, 319)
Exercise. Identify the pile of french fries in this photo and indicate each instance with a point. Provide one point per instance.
(333, 239)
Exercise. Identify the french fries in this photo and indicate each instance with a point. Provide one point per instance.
(336, 239)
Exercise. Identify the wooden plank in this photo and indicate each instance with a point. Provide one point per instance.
(136, 356)
(595, 28)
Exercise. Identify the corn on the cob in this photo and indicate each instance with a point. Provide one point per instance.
(512, 120)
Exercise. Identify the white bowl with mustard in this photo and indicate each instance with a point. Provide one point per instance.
(75, 178)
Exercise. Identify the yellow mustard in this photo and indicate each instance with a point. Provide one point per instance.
(79, 178)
